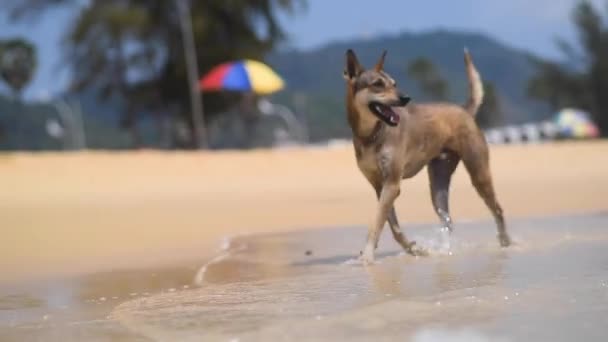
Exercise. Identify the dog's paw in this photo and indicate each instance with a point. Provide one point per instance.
(415, 250)
(367, 257)
(505, 240)
(367, 261)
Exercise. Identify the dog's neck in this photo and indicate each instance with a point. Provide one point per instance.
(375, 135)
(366, 130)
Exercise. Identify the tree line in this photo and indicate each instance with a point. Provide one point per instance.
(132, 49)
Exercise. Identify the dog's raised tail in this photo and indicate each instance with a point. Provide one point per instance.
(475, 85)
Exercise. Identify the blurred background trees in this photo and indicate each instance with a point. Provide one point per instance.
(434, 87)
(18, 61)
(425, 73)
(491, 112)
(132, 50)
(128, 71)
(583, 83)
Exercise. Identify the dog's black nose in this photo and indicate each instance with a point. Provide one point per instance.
(404, 100)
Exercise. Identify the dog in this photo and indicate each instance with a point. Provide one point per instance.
(394, 139)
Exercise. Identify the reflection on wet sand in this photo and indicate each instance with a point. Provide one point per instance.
(78, 308)
(443, 276)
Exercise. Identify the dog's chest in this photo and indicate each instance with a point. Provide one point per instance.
(371, 162)
(368, 163)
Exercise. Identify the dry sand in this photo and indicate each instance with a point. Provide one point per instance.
(91, 211)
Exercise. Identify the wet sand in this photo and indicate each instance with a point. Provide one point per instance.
(553, 285)
(307, 286)
(112, 246)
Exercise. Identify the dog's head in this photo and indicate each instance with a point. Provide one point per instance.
(374, 92)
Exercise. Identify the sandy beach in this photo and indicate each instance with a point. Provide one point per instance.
(139, 245)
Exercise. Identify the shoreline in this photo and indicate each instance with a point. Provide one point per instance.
(225, 250)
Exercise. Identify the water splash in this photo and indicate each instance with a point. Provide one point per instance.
(438, 244)
(445, 246)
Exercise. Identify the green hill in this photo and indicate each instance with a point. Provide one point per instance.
(317, 74)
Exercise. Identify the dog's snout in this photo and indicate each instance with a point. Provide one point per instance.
(404, 100)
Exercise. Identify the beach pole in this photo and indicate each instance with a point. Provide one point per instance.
(198, 117)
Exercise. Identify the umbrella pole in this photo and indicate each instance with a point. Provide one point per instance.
(198, 118)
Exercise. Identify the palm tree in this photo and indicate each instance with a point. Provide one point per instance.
(18, 63)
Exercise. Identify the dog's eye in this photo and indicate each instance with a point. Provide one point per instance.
(378, 83)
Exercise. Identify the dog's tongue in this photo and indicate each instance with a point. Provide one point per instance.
(391, 115)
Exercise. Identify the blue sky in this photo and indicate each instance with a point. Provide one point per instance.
(527, 24)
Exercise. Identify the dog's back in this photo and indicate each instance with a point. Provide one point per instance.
(449, 124)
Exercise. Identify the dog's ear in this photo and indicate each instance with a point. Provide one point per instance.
(345, 75)
(353, 68)
(380, 65)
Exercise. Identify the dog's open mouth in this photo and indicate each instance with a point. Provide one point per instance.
(385, 113)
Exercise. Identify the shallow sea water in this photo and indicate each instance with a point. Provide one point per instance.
(552, 285)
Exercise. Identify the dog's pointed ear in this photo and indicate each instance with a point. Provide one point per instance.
(380, 65)
(353, 68)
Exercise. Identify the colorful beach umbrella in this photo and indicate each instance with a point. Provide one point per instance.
(585, 130)
(570, 116)
(575, 123)
(243, 75)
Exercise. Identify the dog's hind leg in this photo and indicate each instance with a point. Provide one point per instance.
(408, 246)
(440, 172)
(478, 167)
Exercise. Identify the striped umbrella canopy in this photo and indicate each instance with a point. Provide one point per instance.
(244, 75)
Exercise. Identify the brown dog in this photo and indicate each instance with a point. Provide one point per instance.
(394, 141)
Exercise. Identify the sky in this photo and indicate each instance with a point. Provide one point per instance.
(531, 25)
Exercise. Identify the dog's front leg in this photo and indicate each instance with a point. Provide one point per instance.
(390, 192)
